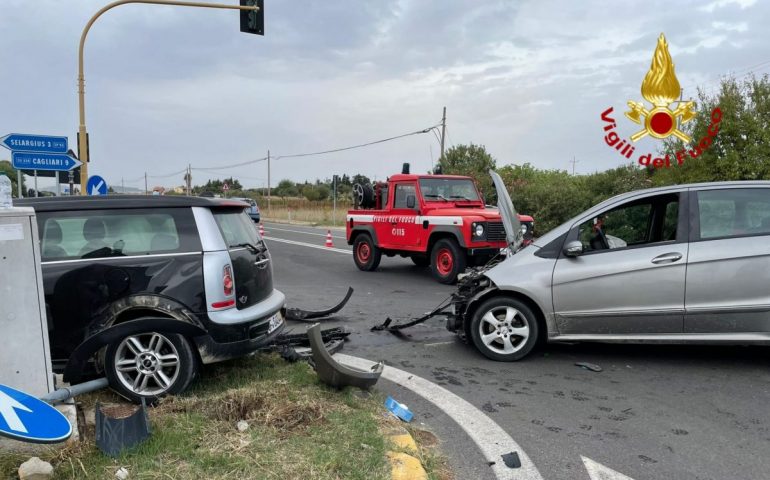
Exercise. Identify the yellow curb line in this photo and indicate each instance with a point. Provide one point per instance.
(403, 465)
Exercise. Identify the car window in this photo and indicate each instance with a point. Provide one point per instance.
(404, 190)
(734, 213)
(101, 234)
(641, 222)
(236, 227)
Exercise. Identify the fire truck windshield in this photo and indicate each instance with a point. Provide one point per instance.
(448, 189)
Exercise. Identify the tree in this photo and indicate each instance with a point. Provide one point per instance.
(472, 161)
(741, 148)
(7, 169)
(286, 188)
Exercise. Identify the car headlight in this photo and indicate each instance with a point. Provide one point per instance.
(478, 230)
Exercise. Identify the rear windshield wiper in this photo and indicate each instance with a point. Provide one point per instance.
(461, 196)
(253, 248)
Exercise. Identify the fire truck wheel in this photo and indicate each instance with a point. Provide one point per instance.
(447, 260)
(365, 253)
(421, 261)
(504, 329)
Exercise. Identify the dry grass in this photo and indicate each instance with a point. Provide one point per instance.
(301, 210)
(298, 428)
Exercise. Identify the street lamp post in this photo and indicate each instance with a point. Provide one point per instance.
(83, 153)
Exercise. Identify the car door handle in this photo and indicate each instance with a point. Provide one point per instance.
(667, 258)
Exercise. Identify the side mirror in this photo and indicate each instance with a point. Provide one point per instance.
(573, 249)
(410, 201)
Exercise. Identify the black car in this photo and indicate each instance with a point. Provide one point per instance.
(148, 288)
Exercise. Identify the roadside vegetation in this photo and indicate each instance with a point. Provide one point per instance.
(297, 428)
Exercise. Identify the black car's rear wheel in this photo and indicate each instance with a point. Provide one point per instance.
(150, 365)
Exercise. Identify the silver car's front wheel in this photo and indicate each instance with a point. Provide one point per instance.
(504, 329)
(150, 365)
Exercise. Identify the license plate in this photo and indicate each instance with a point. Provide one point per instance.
(275, 322)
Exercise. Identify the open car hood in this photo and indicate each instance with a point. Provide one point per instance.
(513, 233)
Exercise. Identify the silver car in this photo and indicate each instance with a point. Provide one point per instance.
(678, 264)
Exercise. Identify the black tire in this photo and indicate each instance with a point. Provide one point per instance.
(523, 317)
(447, 260)
(174, 379)
(421, 260)
(366, 255)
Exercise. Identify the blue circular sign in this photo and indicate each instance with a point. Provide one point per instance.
(26, 418)
(96, 185)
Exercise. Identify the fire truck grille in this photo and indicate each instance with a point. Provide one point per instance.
(495, 232)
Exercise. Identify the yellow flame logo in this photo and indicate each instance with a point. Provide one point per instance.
(661, 88)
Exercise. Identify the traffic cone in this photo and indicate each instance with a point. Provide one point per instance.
(261, 230)
(329, 242)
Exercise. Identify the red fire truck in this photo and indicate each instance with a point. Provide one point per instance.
(436, 220)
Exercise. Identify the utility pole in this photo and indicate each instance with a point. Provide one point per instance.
(443, 133)
(334, 196)
(83, 155)
(188, 179)
(122, 186)
(268, 184)
(573, 162)
(146, 192)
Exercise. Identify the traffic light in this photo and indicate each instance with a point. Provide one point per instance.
(251, 21)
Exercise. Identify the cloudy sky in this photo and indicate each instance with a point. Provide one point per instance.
(171, 86)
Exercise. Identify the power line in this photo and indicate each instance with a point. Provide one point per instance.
(296, 155)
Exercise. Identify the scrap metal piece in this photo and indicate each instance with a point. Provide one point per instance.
(440, 310)
(589, 366)
(116, 431)
(334, 374)
(307, 315)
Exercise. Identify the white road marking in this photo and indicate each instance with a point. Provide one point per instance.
(309, 245)
(305, 233)
(597, 471)
(491, 439)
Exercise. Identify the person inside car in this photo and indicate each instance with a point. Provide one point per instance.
(598, 238)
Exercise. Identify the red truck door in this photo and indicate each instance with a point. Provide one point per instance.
(400, 227)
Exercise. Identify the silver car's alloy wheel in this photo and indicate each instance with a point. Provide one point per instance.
(504, 330)
(147, 364)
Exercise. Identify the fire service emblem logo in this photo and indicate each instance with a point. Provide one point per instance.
(660, 88)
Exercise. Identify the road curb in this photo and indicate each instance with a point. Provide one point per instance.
(404, 463)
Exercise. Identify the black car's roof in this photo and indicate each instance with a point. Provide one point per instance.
(107, 202)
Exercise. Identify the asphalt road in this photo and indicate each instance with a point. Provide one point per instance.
(654, 412)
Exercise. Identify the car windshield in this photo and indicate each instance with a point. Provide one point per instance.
(446, 189)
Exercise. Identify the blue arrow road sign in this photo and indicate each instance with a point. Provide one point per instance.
(20, 142)
(24, 417)
(43, 161)
(96, 186)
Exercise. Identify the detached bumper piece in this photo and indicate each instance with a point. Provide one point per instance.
(295, 347)
(117, 429)
(334, 374)
(308, 315)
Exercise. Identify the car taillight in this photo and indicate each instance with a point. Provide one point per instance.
(227, 281)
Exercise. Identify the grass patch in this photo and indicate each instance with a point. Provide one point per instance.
(298, 428)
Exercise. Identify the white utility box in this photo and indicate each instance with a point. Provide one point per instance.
(25, 358)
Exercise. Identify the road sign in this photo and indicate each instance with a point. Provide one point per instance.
(20, 142)
(43, 161)
(24, 417)
(225, 187)
(96, 185)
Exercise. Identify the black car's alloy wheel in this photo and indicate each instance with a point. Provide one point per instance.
(150, 365)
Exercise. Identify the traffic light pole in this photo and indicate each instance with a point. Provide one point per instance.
(82, 132)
